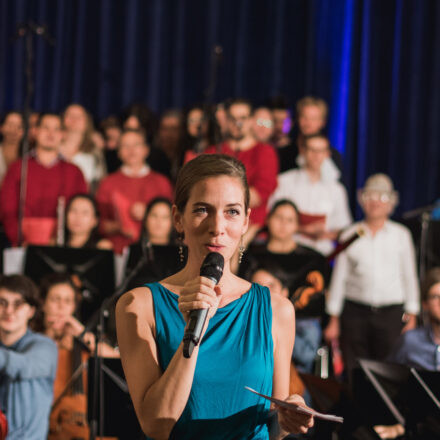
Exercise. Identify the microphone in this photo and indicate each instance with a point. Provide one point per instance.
(212, 268)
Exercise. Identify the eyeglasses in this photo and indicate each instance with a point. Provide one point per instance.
(436, 296)
(15, 304)
(376, 196)
(264, 123)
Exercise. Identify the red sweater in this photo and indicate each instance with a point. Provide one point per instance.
(261, 162)
(44, 186)
(118, 192)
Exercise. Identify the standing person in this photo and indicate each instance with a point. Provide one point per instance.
(82, 220)
(322, 201)
(263, 125)
(48, 178)
(28, 362)
(374, 281)
(11, 129)
(78, 145)
(260, 160)
(124, 195)
(248, 337)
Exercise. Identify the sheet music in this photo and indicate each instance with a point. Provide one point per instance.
(299, 408)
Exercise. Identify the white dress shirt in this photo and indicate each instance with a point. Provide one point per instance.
(325, 197)
(377, 270)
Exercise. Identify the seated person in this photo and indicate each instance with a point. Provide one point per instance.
(60, 299)
(82, 220)
(28, 362)
(282, 253)
(420, 347)
(160, 254)
(124, 195)
(11, 130)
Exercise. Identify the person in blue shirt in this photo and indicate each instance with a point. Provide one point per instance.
(420, 348)
(247, 339)
(28, 362)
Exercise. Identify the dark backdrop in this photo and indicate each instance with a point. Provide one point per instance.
(376, 62)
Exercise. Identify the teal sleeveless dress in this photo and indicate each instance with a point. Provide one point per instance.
(236, 351)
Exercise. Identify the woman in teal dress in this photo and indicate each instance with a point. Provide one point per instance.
(247, 339)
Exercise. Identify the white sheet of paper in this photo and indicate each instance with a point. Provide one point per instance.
(298, 408)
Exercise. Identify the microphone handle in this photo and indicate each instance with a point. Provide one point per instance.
(193, 330)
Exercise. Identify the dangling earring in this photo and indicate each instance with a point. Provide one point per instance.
(181, 253)
(241, 250)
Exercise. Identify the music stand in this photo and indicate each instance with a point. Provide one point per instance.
(120, 418)
(94, 268)
(407, 395)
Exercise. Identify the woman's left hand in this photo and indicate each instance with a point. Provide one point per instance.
(293, 421)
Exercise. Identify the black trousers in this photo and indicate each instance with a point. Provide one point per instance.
(368, 332)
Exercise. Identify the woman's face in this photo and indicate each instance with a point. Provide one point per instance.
(194, 122)
(59, 302)
(132, 123)
(75, 119)
(159, 223)
(81, 217)
(283, 223)
(265, 278)
(214, 218)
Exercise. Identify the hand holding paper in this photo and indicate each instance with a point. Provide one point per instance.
(298, 408)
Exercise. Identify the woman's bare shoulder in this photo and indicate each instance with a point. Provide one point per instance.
(136, 301)
(282, 308)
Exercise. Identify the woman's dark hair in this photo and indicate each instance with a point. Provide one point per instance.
(22, 285)
(212, 135)
(283, 202)
(432, 277)
(275, 270)
(94, 234)
(150, 206)
(203, 167)
(147, 119)
(49, 281)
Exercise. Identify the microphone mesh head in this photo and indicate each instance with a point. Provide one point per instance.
(212, 266)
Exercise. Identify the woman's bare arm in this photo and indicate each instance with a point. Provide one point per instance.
(159, 397)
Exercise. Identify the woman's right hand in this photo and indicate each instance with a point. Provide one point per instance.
(199, 293)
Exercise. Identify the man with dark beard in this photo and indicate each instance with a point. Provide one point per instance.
(260, 160)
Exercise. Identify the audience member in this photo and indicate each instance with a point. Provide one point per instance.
(139, 116)
(322, 202)
(157, 249)
(123, 196)
(111, 130)
(48, 179)
(32, 129)
(82, 221)
(78, 146)
(282, 254)
(11, 129)
(222, 120)
(260, 160)
(28, 362)
(374, 280)
(263, 125)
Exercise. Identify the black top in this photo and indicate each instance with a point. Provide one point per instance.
(160, 261)
(296, 265)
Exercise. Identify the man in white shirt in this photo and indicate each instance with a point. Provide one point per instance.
(374, 281)
(322, 202)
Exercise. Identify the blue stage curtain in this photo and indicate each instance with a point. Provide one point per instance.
(377, 64)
